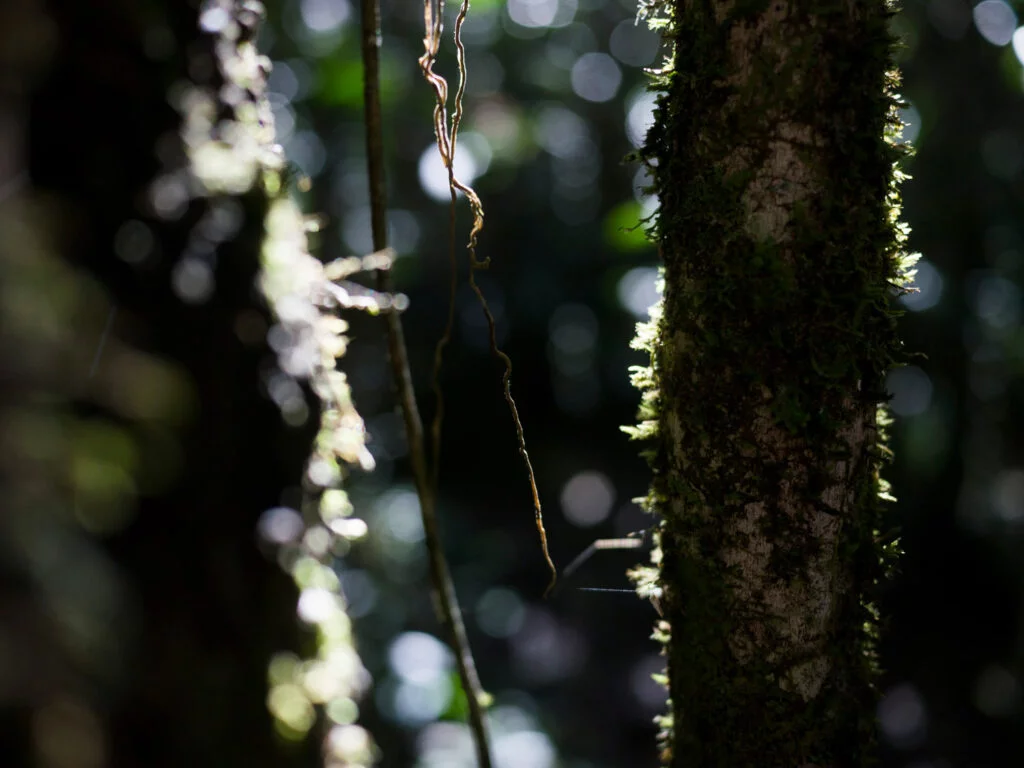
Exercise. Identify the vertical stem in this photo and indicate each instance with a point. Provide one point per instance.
(447, 600)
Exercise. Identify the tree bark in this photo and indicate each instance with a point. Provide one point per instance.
(782, 252)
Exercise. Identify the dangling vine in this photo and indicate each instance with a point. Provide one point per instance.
(447, 138)
(444, 588)
(229, 137)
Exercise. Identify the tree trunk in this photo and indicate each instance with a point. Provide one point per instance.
(779, 234)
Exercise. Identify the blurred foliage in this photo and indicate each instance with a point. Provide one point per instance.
(140, 607)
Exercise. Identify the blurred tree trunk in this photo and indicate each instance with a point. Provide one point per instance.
(782, 252)
(156, 629)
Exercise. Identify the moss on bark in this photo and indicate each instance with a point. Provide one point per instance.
(773, 159)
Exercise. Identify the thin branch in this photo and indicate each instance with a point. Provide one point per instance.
(451, 615)
(600, 544)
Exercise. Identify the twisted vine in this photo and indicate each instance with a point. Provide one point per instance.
(447, 138)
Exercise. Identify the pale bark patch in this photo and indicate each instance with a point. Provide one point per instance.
(799, 607)
(781, 177)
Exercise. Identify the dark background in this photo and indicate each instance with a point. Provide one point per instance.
(138, 604)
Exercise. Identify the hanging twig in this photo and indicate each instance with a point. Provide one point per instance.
(451, 615)
(600, 544)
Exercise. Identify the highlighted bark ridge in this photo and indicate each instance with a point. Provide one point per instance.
(774, 161)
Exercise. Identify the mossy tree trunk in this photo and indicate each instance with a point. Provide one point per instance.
(782, 253)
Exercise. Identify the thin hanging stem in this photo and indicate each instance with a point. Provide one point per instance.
(447, 601)
(446, 144)
(433, 11)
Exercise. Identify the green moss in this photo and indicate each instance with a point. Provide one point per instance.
(798, 324)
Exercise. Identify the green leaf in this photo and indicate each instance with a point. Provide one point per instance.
(623, 228)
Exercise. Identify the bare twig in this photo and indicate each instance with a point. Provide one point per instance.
(600, 544)
(451, 615)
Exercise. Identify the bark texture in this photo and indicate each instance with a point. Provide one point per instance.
(782, 252)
